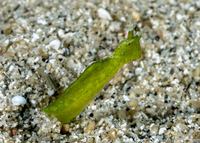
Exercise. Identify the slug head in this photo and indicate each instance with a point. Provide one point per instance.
(129, 49)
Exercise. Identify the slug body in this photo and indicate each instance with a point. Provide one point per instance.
(70, 103)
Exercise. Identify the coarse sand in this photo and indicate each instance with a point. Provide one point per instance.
(45, 45)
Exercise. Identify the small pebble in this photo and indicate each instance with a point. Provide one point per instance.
(18, 100)
(104, 14)
(135, 15)
(153, 128)
(14, 132)
(150, 111)
(90, 127)
(55, 44)
(35, 37)
(138, 71)
(65, 128)
(112, 134)
(161, 131)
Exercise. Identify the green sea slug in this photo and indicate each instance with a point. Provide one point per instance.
(70, 103)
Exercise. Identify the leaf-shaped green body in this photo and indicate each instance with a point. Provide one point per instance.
(92, 80)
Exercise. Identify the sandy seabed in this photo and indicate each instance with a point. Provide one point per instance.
(45, 45)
